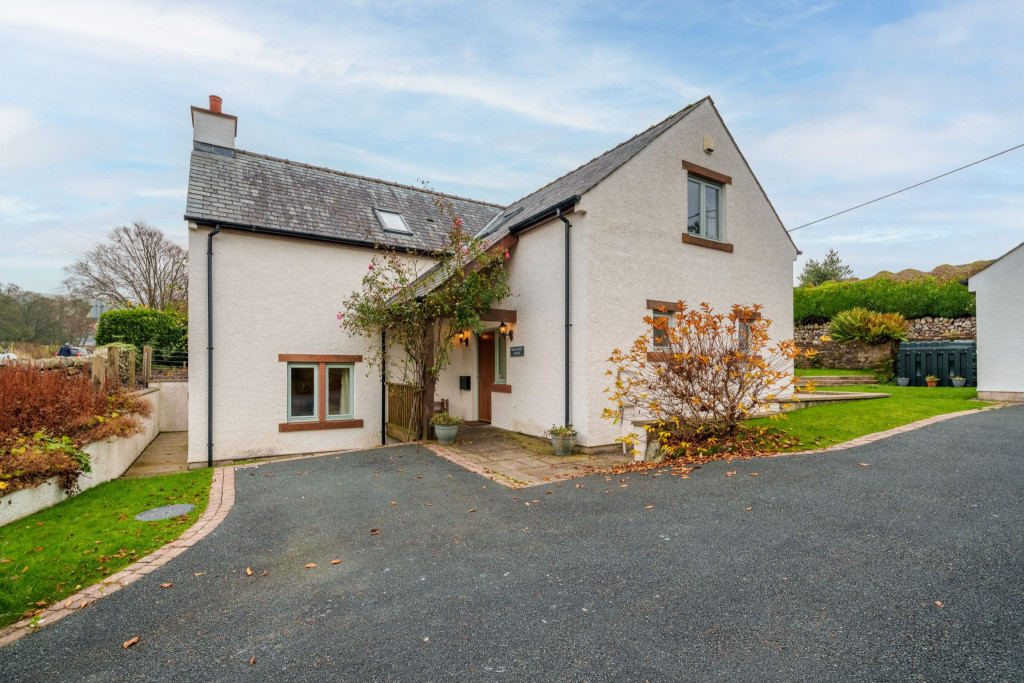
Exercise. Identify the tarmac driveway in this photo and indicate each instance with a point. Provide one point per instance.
(817, 569)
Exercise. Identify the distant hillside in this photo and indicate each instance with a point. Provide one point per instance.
(943, 273)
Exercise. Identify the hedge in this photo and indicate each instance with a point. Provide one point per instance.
(143, 326)
(911, 299)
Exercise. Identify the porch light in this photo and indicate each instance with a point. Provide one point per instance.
(463, 339)
(505, 332)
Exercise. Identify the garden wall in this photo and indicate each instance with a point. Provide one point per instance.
(109, 460)
(921, 329)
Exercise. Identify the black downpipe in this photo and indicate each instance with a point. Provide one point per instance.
(209, 346)
(568, 322)
(383, 391)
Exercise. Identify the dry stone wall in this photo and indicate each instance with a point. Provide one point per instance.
(859, 355)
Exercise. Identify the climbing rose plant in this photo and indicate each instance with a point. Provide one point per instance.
(422, 305)
(706, 372)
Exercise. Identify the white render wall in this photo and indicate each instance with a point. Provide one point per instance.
(638, 252)
(1001, 327)
(271, 295)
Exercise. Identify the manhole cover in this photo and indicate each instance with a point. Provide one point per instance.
(165, 512)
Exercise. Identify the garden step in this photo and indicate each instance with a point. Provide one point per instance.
(837, 380)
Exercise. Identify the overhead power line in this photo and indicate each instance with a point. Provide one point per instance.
(923, 182)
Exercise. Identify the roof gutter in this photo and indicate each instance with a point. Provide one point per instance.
(553, 211)
(209, 345)
(278, 232)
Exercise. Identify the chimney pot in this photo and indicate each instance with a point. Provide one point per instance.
(215, 103)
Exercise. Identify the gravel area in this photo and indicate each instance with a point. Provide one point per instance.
(898, 560)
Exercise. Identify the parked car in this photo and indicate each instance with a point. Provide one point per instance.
(73, 352)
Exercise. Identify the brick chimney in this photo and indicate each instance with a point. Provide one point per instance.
(213, 130)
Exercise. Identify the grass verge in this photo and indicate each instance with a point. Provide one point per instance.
(53, 553)
(829, 372)
(820, 426)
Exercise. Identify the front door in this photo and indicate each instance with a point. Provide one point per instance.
(485, 367)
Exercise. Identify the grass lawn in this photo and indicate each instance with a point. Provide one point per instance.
(825, 372)
(53, 553)
(820, 426)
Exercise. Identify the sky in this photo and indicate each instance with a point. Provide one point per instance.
(832, 103)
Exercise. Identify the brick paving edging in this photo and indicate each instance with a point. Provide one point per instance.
(222, 498)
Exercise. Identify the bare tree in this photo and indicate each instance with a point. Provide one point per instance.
(136, 265)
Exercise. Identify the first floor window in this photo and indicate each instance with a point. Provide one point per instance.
(703, 209)
(302, 392)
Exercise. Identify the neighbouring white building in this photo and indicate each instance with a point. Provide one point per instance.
(674, 213)
(1000, 327)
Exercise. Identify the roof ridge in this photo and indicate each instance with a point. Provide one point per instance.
(363, 177)
(607, 152)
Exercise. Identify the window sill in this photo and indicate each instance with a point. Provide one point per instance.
(312, 426)
(705, 242)
(501, 388)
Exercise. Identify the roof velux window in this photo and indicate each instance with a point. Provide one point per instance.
(392, 221)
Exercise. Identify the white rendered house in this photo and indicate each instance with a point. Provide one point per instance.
(674, 213)
(1000, 327)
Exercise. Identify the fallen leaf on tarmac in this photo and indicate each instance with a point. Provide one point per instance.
(939, 604)
(375, 532)
(335, 561)
(864, 464)
(749, 509)
(129, 643)
(310, 565)
(731, 474)
(420, 476)
(429, 504)
(474, 509)
(83, 604)
(622, 486)
(252, 661)
(198, 573)
(649, 507)
(166, 585)
(248, 572)
(753, 474)
(265, 572)
(394, 503)
(268, 475)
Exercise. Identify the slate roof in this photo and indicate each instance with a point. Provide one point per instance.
(255, 190)
(575, 183)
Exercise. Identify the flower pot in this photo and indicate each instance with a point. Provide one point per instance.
(446, 434)
(932, 382)
(903, 381)
(960, 382)
(563, 444)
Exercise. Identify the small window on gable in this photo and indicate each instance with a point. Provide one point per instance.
(392, 221)
(661, 335)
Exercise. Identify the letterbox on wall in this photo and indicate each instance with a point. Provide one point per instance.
(464, 382)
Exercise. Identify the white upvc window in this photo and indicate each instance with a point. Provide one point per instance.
(500, 355)
(340, 396)
(704, 209)
(302, 392)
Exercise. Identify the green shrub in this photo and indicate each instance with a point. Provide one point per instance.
(143, 327)
(912, 299)
(860, 324)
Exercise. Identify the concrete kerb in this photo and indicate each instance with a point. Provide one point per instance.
(222, 498)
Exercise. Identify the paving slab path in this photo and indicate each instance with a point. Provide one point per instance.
(896, 560)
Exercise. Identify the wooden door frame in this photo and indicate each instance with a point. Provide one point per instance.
(479, 382)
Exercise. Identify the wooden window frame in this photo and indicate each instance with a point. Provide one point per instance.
(321, 421)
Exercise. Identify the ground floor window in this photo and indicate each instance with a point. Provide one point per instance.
(320, 391)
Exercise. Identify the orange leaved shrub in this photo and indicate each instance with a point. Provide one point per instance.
(47, 416)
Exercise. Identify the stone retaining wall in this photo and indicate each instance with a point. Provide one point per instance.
(921, 329)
